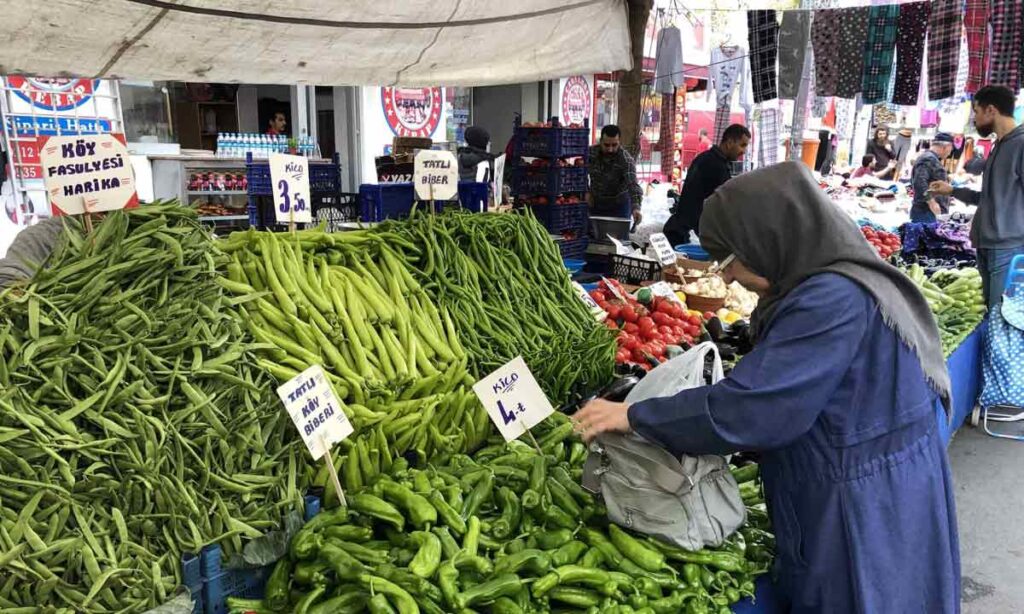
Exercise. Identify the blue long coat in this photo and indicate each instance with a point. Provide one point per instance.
(856, 477)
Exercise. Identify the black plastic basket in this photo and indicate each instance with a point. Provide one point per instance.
(634, 270)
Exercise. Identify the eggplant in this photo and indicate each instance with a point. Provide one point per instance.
(617, 390)
(727, 351)
(716, 329)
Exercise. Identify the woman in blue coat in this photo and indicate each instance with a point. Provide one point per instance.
(839, 396)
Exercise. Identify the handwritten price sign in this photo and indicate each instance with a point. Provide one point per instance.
(513, 399)
(290, 176)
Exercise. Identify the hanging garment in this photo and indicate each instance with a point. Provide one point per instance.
(879, 52)
(825, 43)
(976, 27)
(668, 63)
(727, 70)
(763, 37)
(853, 34)
(944, 30)
(844, 119)
(794, 34)
(769, 124)
(1007, 43)
(910, 50)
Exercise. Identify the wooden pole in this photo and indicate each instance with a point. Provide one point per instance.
(333, 472)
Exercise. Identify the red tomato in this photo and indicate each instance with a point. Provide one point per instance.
(693, 331)
(665, 330)
(613, 311)
(646, 323)
(598, 295)
(693, 319)
(649, 333)
(639, 355)
(666, 307)
(603, 305)
(708, 316)
(658, 317)
(628, 314)
(610, 323)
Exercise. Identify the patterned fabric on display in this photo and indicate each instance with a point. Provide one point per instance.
(1007, 43)
(910, 51)
(944, 34)
(825, 42)
(769, 123)
(794, 35)
(976, 25)
(879, 52)
(853, 34)
(763, 36)
(727, 70)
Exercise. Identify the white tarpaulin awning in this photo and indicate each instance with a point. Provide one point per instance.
(325, 42)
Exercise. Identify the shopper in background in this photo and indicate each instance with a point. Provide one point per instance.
(928, 168)
(839, 395)
(706, 174)
(277, 124)
(866, 168)
(885, 156)
(614, 189)
(998, 227)
(901, 146)
(476, 150)
(703, 141)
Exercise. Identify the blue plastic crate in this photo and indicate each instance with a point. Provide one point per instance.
(557, 218)
(554, 142)
(192, 578)
(385, 201)
(550, 180)
(324, 177)
(575, 249)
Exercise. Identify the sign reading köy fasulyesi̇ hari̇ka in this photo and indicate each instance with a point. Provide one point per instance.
(87, 173)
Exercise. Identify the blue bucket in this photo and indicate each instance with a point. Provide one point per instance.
(693, 252)
(574, 266)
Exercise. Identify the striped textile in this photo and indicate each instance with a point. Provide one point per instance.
(879, 52)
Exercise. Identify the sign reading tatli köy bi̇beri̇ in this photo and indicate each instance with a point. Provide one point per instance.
(435, 175)
(290, 178)
(513, 398)
(315, 410)
(86, 174)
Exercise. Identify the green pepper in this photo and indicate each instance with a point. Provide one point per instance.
(448, 544)
(511, 513)
(447, 513)
(362, 553)
(349, 533)
(309, 573)
(428, 557)
(555, 538)
(375, 507)
(561, 497)
(576, 597)
(691, 574)
(418, 508)
(275, 593)
(639, 600)
(649, 587)
(338, 515)
(416, 585)
(759, 554)
(304, 545)
(664, 580)
(510, 474)
(505, 585)
(378, 604)
(724, 579)
(577, 453)
(555, 515)
(596, 539)
(747, 588)
(471, 541)
(345, 566)
(732, 595)
(707, 579)
(481, 492)
(421, 483)
(453, 495)
(592, 558)
(534, 562)
(304, 604)
(471, 562)
(647, 558)
(538, 473)
(746, 473)
(347, 603)
(556, 436)
(402, 600)
(568, 554)
(736, 544)
(725, 561)
(531, 499)
(562, 477)
(489, 544)
(448, 580)
(504, 605)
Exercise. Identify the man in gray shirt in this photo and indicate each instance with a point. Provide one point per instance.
(998, 228)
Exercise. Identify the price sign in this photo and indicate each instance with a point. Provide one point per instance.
(614, 289)
(435, 175)
(664, 290)
(290, 178)
(513, 399)
(599, 314)
(314, 408)
(87, 174)
(663, 250)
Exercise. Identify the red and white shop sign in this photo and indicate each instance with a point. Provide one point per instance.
(576, 101)
(26, 162)
(87, 173)
(412, 111)
(52, 94)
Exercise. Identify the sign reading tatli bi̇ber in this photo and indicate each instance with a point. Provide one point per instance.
(435, 175)
(87, 174)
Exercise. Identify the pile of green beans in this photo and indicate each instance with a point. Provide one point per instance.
(135, 422)
(502, 279)
(351, 303)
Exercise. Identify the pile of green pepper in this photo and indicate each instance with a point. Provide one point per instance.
(507, 531)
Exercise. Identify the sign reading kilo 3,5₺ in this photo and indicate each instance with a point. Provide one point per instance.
(290, 176)
(87, 174)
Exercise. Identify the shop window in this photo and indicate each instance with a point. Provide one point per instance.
(146, 106)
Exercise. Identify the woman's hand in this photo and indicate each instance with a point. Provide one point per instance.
(600, 416)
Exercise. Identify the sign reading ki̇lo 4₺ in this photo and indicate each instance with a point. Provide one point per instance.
(87, 174)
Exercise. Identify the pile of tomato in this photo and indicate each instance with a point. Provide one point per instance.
(646, 331)
(885, 243)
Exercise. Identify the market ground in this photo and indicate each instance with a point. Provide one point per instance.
(989, 497)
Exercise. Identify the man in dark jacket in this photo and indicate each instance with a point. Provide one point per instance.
(476, 151)
(707, 172)
(885, 157)
(998, 227)
(614, 189)
(929, 168)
